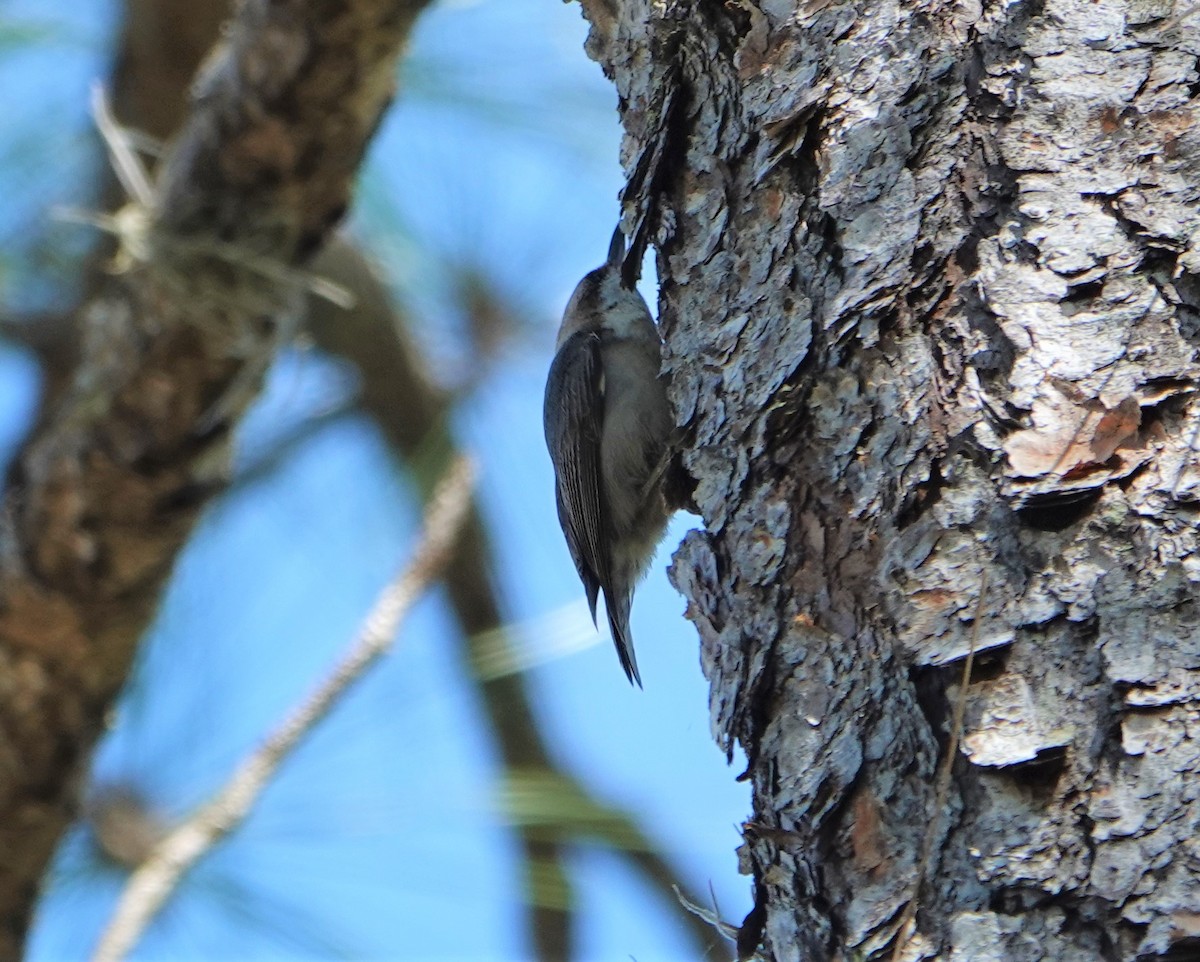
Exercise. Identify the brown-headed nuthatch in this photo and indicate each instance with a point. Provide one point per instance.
(608, 427)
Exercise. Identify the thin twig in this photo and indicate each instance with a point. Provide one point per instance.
(153, 882)
(942, 782)
(710, 917)
(125, 163)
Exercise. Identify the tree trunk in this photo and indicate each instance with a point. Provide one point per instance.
(929, 294)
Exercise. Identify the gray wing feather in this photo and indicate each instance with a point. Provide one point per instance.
(572, 415)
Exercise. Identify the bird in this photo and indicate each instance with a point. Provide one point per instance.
(608, 427)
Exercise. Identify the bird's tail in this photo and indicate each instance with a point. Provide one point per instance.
(618, 622)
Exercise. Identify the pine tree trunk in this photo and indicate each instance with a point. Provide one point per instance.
(929, 294)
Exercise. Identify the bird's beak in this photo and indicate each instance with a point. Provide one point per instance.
(616, 248)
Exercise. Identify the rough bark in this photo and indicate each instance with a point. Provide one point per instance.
(929, 294)
(106, 492)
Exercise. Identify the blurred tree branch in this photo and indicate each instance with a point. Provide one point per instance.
(149, 887)
(158, 50)
(107, 490)
(161, 44)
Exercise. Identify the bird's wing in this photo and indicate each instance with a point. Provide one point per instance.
(573, 411)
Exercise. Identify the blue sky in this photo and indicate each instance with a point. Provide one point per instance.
(383, 837)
